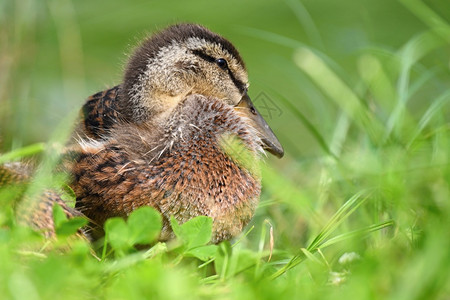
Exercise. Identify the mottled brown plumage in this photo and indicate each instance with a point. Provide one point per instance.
(38, 213)
(181, 169)
(158, 138)
(99, 114)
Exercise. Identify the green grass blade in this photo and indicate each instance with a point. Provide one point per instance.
(343, 213)
(21, 153)
(356, 233)
(429, 17)
(309, 255)
(435, 107)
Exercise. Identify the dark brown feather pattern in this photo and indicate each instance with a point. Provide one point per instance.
(193, 176)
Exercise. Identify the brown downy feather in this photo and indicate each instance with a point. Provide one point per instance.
(178, 167)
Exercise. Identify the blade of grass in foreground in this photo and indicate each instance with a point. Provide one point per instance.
(18, 154)
(356, 233)
(306, 253)
(343, 212)
(321, 239)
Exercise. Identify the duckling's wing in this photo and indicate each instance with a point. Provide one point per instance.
(99, 114)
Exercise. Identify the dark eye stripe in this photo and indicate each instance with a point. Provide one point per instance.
(239, 84)
(203, 55)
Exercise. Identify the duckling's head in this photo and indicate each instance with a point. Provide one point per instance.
(188, 59)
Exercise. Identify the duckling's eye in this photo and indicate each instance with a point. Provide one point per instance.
(222, 63)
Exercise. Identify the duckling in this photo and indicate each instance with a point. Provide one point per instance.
(160, 137)
(157, 139)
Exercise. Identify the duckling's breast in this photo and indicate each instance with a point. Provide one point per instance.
(202, 181)
(187, 174)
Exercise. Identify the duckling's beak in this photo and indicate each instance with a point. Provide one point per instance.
(270, 141)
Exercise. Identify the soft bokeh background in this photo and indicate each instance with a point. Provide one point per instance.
(56, 53)
(357, 92)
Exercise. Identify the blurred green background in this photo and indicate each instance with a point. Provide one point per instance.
(356, 91)
(54, 54)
